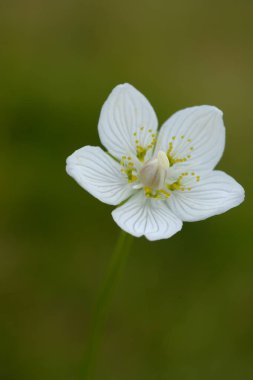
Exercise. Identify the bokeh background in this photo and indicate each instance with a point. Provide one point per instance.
(184, 307)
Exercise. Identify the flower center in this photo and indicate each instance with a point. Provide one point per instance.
(158, 177)
(154, 172)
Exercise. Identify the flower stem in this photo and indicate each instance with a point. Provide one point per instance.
(116, 265)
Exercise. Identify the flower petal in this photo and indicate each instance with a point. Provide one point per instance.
(99, 174)
(152, 218)
(127, 119)
(214, 194)
(196, 134)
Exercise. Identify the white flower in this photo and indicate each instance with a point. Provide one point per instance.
(162, 178)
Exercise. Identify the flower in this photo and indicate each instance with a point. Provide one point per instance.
(157, 179)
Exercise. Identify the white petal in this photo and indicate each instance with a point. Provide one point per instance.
(214, 194)
(99, 174)
(197, 132)
(126, 116)
(152, 218)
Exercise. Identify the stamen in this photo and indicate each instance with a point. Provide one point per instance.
(178, 185)
(171, 156)
(157, 194)
(128, 169)
(141, 150)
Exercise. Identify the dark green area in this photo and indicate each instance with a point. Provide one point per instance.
(184, 307)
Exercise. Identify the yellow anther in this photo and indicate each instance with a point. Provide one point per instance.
(132, 179)
(167, 195)
(157, 194)
(174, 160)
(141, 152)
(174, 186)
(128, 169)
(148, 191)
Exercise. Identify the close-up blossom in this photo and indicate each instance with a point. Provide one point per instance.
(158, 179)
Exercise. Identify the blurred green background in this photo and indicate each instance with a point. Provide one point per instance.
(184, 307)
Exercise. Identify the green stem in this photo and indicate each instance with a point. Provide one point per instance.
(116, 265)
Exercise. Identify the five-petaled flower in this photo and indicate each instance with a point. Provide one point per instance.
(157, 179)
